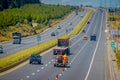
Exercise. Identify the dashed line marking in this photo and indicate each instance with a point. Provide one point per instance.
(46, 65)
(27, 76)
(42, 68)
(49, 62)
(60, 74)
(52, 60)
(33, 74)
(38, 70)
(21, 79)
(65, 68)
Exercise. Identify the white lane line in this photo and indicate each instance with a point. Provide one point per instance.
(33, 74)
(27, 76)
(52, 60)
(42, 67)
(94, 52)
(21, 79)
(81, 30)
(65, 68)
(79, 52)
(46, 65)
(60, 74)
(38, 70)
(49, 62)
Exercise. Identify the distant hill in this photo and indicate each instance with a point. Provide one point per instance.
(5, 4)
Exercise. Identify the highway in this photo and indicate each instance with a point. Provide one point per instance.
(10, 48)
(87, 61)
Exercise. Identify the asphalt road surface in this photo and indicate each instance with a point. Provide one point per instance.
(87, 61)
(10, 48)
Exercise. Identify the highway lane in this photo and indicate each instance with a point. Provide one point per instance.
(47, 70)
(98, 69)
(10, 48)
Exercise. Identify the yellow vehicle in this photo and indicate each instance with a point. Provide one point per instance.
(84, 37)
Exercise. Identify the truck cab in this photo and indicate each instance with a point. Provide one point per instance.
(16, 37)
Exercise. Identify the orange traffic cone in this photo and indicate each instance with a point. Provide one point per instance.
(62, 70)
(56, 76)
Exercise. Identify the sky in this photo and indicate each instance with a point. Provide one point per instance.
(95, 3)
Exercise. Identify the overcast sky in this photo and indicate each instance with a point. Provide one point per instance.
(85, 2)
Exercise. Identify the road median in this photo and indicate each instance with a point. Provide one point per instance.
(19, 57)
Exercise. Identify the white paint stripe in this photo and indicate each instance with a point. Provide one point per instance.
(60, 74)
(21, 79)
(38, 70)
(49, 62)
(27, 76)
(79, 51)
(80, 32)
(42, 67)
(33, 73)
(46, 65)
(94, 51)
(52, 60)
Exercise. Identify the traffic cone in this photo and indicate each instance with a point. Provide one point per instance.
(56, 76)
(62, 70)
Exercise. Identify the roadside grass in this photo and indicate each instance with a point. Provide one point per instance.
(18, 57)
(118, 59)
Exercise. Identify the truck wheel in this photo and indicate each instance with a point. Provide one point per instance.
(54, 65)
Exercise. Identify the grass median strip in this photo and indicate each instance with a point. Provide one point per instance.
(17, 58)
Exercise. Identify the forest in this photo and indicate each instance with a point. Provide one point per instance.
(5, 4)
(23, 17)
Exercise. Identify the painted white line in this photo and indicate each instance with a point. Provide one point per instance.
(65, 68)
(94, 52)
(52, 60)
(46, 65)
(79, 51)
(60, 74)
(27, 76)
(49, 62)
(42, 67)
(80, 32)
(21, 79)
(33, 74)
(38, 70)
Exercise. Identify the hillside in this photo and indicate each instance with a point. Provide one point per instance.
(5, 4)
(30, 19)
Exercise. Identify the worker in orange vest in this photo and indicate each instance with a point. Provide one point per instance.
(65, 59)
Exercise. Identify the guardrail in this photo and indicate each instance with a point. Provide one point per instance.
(18, 57)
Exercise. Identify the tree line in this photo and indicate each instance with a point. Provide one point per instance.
(5, 4)
(41, 13)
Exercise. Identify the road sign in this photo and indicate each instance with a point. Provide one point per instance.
(38, 38)
(113, 44)
(66, 30)
(57, 32)
(114, 50)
